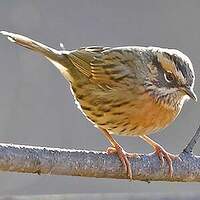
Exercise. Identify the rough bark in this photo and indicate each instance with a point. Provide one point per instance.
(55, 161)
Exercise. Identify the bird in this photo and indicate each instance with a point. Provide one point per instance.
(126, 91)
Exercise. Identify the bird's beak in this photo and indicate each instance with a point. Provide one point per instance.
(189, 91)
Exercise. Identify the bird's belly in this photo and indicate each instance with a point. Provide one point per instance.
(140, 116)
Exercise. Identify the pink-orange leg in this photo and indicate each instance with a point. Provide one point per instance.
(123, 156)
(162, 153)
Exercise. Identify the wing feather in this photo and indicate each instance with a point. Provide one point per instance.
(103, 64)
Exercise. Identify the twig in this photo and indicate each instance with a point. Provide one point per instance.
(189, 148)
(55, 161)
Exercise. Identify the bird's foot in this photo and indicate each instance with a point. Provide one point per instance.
(163, 154)
(123, 156)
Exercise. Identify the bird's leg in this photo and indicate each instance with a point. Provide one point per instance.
(117, 149)
(162, 153)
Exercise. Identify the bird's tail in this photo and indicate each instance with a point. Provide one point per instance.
(26, 42)
(58, 58)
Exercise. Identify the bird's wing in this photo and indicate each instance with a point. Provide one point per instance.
(104, 64)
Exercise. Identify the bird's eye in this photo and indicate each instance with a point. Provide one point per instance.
(169, 77)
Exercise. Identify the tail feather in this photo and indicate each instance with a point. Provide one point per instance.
(33, 45)
(57, 58)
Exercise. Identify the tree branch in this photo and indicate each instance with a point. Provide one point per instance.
(55, 161)
(189, 148)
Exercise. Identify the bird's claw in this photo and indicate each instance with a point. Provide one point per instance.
(163, 154)
(123, 156)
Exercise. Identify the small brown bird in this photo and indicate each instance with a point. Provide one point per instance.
(131, 90)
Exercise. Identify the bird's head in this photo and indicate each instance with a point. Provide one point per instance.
(171, 77)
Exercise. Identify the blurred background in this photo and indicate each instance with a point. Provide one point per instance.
(37, 107)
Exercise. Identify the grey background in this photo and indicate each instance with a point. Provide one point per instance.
(36, 105)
